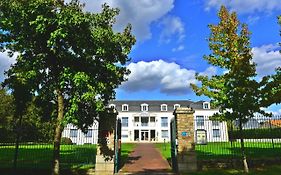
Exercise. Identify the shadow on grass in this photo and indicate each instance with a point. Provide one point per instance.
(39, 157)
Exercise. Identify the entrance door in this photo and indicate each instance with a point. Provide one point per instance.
(144, 136)
(136, 135)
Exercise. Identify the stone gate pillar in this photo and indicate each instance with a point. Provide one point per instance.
(105, 148)
(186, 156)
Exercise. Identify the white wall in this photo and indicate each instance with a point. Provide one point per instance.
(81, 138)
(208, 126)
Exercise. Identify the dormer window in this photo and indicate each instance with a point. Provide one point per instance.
(125, 107)
(176, 106)
(144, 107)
(112, 106)
(206, 105)
(164, 107)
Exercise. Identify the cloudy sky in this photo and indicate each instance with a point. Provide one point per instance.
(171, 41)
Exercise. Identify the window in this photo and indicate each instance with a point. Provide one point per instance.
(112, 106)
(164, 121)
(216, 133)
(137, 119)
(125, 107)
(176, 106)
(144, 121)
(164, 107)
(124, 136)
(152, 119)
(73, 132)
(164, 134)
(215, 123)
(125, 121)
(206, 105)
(144, 107)
(89, 133)
(200, 120)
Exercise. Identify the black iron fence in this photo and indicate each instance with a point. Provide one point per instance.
(221, 140)
(77, 152)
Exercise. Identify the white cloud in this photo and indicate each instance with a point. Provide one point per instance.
(5, 63)
(267, 58)
(179, 48)
(245, 6)
(169, 78)
(139, 13)
(210, 71)
(172, 26)
(252, 19)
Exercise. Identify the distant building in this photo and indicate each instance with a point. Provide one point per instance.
(149, 121)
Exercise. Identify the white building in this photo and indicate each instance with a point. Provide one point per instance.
(149, 121)
(78, 137)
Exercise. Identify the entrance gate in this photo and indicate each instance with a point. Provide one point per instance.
(117, 146)
(173, 133)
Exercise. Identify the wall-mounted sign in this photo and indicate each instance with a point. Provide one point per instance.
(201, 136)
(185, 134)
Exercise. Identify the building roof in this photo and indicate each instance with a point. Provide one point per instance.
(276, 123)
(155, 105)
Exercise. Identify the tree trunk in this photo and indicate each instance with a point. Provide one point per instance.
(18, 130)
(57, 138)
(244, 158)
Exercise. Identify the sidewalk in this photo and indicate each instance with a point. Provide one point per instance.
(146, 159)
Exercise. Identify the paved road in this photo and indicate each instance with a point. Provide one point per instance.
(146, 159)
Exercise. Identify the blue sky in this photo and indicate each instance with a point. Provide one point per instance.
(171, 41)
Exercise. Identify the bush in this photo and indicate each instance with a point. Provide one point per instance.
(258, 133)
(66, 141)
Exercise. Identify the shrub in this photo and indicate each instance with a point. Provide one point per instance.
(66, 141)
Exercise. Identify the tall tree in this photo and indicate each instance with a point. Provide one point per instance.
(70, 57)
(236, 91)
(6, 116)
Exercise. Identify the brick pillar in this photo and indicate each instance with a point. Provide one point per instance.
(105, 148)
(186, 156)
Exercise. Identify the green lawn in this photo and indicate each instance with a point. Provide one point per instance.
(226, 150)
(221, 150)
(39, 156)
(270, 170)
(165, 149)
(126, 149)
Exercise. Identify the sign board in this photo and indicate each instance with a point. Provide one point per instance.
(201, 137)
(185, 134)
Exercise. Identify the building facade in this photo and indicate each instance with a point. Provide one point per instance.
(149, 121)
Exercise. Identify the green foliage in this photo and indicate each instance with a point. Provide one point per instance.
(271, 86)
(66, 141)
(6, 116)
(258, 133)
(35, 126)
(236, 91)
(63, 49)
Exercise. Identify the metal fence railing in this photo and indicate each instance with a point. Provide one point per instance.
(262, 137)
(77, 151)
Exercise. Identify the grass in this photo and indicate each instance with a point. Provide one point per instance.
(217, 150)
(165, 150)
(126, 149)
(39, 156)
(220, 150)
(224, 150)
(270, 170)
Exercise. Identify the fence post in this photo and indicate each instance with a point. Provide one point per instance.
(186, 155)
